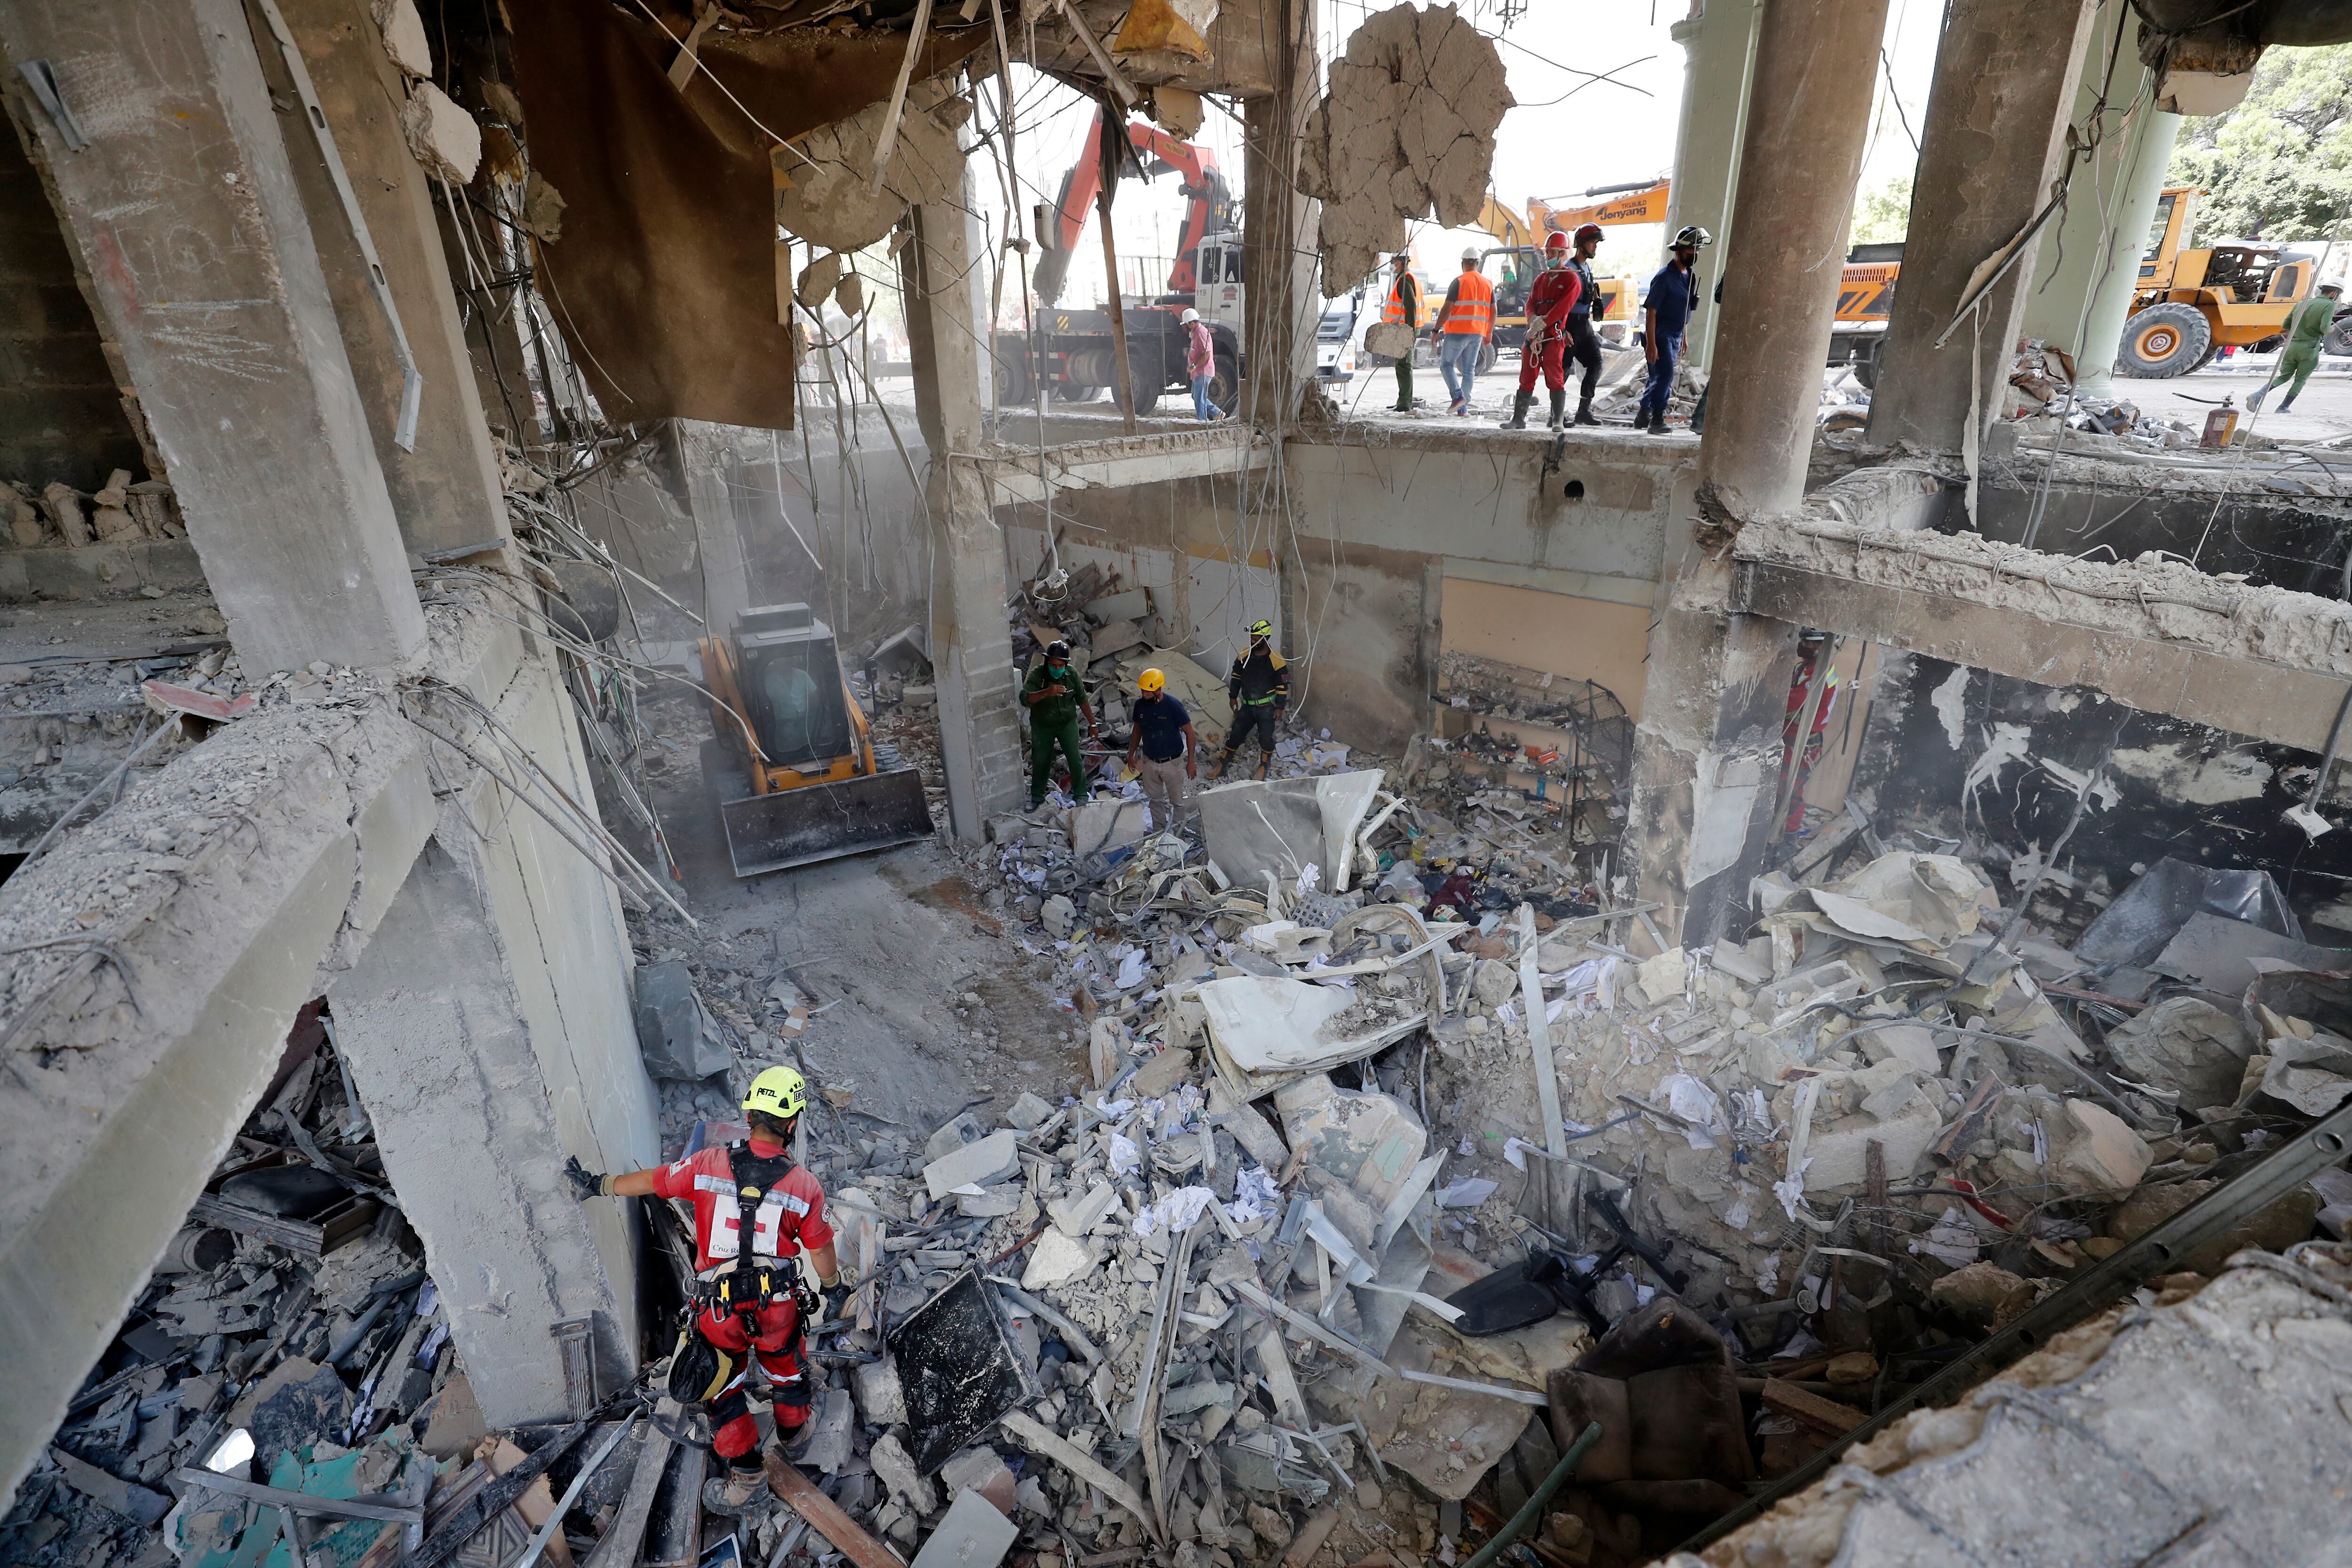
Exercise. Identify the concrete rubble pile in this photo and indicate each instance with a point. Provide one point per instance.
(54, 513)
(290, 1338)
(1788, 1177)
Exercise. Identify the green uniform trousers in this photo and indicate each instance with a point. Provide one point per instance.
(1404, 381)
(2295, 364)
(1044, 739)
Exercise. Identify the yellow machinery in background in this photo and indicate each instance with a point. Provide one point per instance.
(2194, 302)
(791, 759)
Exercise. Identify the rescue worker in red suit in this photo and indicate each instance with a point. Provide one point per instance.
(755, 1179)
(1549, 301)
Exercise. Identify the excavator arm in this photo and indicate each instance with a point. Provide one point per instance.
(1209, 202)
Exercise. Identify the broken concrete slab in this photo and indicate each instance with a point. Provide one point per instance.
(1106, 823)
(2100, 1152)
(1077, 1214)
(896, 1469)
(822, 196)
(1370, 1140)
(2185, 1044)
(992, 1159)
(881, 1401)
(975, 1534)
(1056, 1258)
(982, 1471)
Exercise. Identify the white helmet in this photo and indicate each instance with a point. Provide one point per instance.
(1469, 253)
(1190, 316)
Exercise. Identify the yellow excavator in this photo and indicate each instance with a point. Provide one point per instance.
(798, 776)
(2193, 302)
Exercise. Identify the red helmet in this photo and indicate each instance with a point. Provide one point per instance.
(1556, 241)
(1592, 229)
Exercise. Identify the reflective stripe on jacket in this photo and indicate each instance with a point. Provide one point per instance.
(1472, 307)
(1397, 309)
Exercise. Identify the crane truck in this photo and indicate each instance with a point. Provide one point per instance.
(1073, 350)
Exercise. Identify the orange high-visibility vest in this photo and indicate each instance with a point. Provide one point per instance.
(1474, 305)
(1394, 310)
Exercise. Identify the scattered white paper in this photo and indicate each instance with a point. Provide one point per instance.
(1126, 1157)
(1467, 1191)
(1177, 1213)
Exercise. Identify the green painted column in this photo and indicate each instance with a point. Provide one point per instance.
(1719, 40)
(2088, 268)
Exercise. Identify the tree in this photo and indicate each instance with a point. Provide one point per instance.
(2278, 166)
(1883, 215)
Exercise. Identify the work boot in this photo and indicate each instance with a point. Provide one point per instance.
(1263, 764)
(1519, 419)
(1584, 411)
(736, 1492)
(2287, 404)
(1658, 423)
(1559, 411)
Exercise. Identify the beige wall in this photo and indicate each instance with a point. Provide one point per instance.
(1592, 640)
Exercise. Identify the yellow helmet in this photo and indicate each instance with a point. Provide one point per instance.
(1152, 680)
(779, 1092)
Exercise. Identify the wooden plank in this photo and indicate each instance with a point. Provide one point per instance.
(827, 1516)
(617, 1548)
(1821, 1415)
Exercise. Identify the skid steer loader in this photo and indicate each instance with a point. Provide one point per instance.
(797, 775)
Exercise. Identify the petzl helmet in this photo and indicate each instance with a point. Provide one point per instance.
(1152, 680)
(1691, 235)
(1261, 628)
(778, 1092)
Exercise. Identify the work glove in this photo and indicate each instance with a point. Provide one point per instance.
(588, 1183)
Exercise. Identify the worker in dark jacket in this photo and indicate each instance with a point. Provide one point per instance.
(1672, 300)
(1056, 699)
(1259, 689)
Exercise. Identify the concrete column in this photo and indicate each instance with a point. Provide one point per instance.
(209, 279)
(1277, 230)
(1706, 751)
(725, 576)
(433, 1023)
(1719, 40)
(1816, 62)
(446, 490)
(2090, 260)
(1995, 138)
(972, 650)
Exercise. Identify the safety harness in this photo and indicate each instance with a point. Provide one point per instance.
(701, 1370)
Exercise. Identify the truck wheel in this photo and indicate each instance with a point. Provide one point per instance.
(2338, 341)
(1865, 364)
(1073, 392)
(1147, 398)
(2164, 341)
(1013, 384)
(1488, 355)
(1226, 383)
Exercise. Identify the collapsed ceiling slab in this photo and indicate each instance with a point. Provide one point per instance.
(665, 276)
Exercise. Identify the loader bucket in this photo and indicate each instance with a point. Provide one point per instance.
(818, 822)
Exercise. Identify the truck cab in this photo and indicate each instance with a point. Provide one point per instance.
(1217, 281)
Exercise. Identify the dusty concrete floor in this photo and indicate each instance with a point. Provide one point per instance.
(934, 1003)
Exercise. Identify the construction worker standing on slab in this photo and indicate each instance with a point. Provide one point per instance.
(749, 1303)
(1259, 689)
(1550, 304)
(1162, 731)
(1056, 698)
(1582, 340)
(1404, 305)
(1665, 313)
(1464, 325)
(2307, 326)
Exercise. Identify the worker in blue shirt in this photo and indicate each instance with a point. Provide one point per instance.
(1673, 298)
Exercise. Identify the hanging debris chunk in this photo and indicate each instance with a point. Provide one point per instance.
(1408, 125)
(822, 193)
